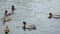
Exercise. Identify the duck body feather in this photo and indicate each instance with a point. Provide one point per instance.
(6, 19)
(56, 16)
(29, 26)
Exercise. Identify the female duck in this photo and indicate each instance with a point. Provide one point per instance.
(6, 19)
(54, 16)
(6, 30)
(28, 26)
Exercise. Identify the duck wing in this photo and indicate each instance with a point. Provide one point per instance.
(30, 26)
(56, 16)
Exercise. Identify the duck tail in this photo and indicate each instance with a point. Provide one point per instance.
(34, 28)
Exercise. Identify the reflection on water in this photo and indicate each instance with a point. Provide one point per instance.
(3, 23)
(17, 26)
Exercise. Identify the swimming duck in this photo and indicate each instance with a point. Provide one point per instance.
(6, 30)
(6, 13)
(28, 26)
(54, 16)
(6, 19)
(13, 8)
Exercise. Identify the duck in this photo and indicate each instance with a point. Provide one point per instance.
(13, 8)
(7, 14)
(6, 19)
(54, 16)
(28, 26)
(6, 30)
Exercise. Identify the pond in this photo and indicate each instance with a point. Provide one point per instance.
(31, 11)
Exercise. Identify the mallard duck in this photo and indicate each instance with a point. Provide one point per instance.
(7, 14)
(6, 30)
(28, 26)
(13, 8)
(6, 19)
(54, 16)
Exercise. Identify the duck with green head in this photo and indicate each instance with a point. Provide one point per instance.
(7, 14)
(50, 15)
(28, 26)
(53, 16)
(13, 8)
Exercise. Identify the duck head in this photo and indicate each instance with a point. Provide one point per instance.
(50, 15)
(5, 12)
(12, 5)
(24, 22)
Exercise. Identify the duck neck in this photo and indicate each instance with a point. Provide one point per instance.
(24, 25)
(5, 12)
(50, 15)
